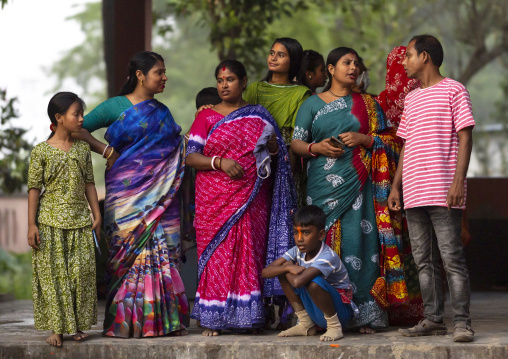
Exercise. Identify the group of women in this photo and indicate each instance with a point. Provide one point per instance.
(260, 153)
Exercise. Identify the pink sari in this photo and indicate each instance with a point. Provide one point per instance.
(231, 221)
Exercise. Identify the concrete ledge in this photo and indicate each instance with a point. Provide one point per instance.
(20, 340)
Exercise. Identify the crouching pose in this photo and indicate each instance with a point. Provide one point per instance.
(314, 279)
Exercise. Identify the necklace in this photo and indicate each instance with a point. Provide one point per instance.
(330, 91)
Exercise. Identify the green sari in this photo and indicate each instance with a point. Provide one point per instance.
(282, 101)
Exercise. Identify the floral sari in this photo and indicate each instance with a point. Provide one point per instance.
(146, 296)
(353, 191)
(391, 100)
(234, 218)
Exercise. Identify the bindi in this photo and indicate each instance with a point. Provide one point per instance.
(299, 230)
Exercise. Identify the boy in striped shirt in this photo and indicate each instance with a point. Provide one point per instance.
(436, 125)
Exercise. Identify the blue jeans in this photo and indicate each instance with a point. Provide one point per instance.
(428, 250)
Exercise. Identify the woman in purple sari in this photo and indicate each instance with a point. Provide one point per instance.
(146, 297)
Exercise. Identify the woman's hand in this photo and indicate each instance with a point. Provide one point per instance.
(232, 168)
(325, 148)
(112, 159)
(96, 227)
(204, 107)
(272, 144)
(33, 236)
(352, 139)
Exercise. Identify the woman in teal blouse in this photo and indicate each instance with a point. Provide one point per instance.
(146, 297)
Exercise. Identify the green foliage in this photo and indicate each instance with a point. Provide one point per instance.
(84, 63)
(16, 274)
(14, 149)
(237, 29)
(3, 3)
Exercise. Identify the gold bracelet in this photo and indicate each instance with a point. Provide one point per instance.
(110, 153)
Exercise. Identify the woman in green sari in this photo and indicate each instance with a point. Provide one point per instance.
(282, 97)
(278, 92)
(349, 178)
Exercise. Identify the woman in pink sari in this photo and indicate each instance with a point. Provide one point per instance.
(242, 200)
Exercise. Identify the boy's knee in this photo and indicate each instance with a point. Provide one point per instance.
(313, 287)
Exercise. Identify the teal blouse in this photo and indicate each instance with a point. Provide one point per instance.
(106, 113)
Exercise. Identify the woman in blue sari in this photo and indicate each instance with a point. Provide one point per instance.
(146, 297)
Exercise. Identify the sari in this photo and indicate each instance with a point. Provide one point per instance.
(235, 218)
(391, 100)
(146, 297)
(353, 191)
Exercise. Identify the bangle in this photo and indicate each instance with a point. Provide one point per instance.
(213, 164)
(309, 149)
(371, 141)
(103, 152)
(110, 153)
(274, 153)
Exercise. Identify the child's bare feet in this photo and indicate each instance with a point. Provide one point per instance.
(211, 332)
(79, 335)
(366, 330)
(55, 340)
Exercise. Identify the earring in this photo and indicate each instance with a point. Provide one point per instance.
(141, 82)
(310, 77)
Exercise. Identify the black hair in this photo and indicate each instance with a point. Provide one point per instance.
(430, 45)
(233, 65)
(310, 62)
(295, 52)
(60, 103)
(310, 216)
(208, 96)
(143, 61)
(333, 57)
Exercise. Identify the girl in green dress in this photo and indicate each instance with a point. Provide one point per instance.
(60, 227)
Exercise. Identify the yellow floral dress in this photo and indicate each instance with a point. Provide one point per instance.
(63, 284)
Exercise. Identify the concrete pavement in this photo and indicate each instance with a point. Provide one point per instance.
(18, 339)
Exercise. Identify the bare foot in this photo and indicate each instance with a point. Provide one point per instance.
(211, 333)
(79, 335)
(366, 330)
(55, 340)
(178, 333)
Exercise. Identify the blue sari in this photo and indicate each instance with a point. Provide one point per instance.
(146, 297)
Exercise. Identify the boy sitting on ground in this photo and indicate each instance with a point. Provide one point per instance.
(313, 278)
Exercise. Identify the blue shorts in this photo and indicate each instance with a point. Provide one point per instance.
(344, 311)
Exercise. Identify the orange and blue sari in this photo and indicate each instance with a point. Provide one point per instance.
(146, 296)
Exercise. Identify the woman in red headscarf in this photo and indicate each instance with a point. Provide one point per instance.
(398, 85)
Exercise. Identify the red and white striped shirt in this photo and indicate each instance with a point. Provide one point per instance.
(431, 119)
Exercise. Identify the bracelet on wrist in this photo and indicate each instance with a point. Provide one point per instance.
(371, 141)
(309, 149)
(105, 149)
(110, 153)
(213, 163)
(274, 153)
